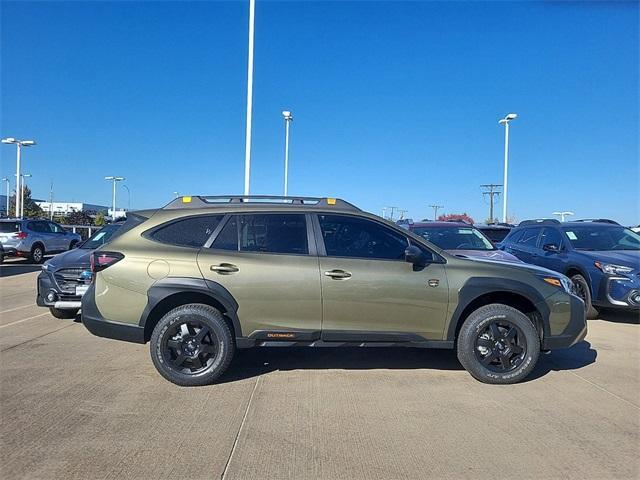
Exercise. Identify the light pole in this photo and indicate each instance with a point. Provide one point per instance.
(19, 144)
(5, 179)
(23, 176)
(128, 197)
(505, 121)
(114, 179)
(176, 194)
(562, 215)
(247, 145)
(288, 118)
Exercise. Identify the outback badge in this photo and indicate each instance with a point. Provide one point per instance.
(434, 282)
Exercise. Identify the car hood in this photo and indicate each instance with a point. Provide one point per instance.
(78, 257)
(625, 258)
(497, 255)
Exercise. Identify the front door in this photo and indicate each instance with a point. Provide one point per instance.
(369, 292)
(268, 263)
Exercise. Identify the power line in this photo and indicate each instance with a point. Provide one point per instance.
(491, 191)
(435, 210)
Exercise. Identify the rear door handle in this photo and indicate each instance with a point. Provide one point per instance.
(338, 274)
(224, 268)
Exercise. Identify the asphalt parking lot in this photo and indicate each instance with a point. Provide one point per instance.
(77, 406)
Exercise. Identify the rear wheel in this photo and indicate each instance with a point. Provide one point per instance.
(64, 313)
(498, 344)
(37, 253)
(192, 345)
(584, 292)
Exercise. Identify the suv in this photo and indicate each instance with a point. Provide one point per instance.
(35, 238)
(601, 257)
(205, 276)
(66, 277)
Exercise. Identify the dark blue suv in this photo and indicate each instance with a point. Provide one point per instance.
(601, 257)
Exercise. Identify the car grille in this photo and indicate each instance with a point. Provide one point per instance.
(68, 278)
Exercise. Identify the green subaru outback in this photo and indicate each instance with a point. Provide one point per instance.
(205, 276)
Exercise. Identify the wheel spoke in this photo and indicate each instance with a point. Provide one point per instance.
(173, 344)
(517, 349)
(495, 332)
(208, 349)
(487, 360)
(202, 333)
(511, 334)
(485, 342)
(505, 361)
(179, 360)
(196, 362)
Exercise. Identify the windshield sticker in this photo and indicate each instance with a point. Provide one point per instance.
(98, 236)
(572, 236)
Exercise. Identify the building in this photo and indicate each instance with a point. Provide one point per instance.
(62, 209)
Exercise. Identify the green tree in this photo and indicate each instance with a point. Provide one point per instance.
(31, 208)
(99, 220)
(78, 218)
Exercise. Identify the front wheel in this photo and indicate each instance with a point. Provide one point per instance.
(498, 344)
(65, 314)
(584, 292)
(192, 345)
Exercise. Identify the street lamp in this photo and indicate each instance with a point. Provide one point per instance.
(505, 121)
(114, 179)
(177, 194)
(19, 144)
(5, 179)
(22, 177)
(247, 141)
(288, 118)
(562, 215)
(128, 197)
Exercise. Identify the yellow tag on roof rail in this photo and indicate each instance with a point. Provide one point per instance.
(331, 201)
(186, 199)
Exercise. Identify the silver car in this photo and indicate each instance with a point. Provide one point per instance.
(35, 238)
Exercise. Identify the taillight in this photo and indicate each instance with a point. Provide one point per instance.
(102, 260)
(22, 235)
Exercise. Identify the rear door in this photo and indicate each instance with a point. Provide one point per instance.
(369, 291)
(268, 262)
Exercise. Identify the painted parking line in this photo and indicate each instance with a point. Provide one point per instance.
(24, 320)
(19, 308)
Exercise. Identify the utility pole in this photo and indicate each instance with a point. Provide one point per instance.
(51, 201)
(391, 209)
(435, 211)
(402, 212)
(491, 191)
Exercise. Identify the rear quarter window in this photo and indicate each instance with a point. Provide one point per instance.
(9, 227)
(188, 232)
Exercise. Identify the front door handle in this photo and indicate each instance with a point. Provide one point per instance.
(224, 268)
(338, 274)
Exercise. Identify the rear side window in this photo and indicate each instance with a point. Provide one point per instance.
(266, 233)
(188, 232)
(514, 236)
(529, 237)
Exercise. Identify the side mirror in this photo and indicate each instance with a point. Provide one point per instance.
(551, 247)
(414, 256)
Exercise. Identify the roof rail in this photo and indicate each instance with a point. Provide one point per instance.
(210, 201)
(540, 221)
(597, 220)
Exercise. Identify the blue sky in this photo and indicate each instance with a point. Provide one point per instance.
(394, 103)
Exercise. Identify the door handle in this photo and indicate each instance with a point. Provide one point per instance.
(224, 268)
(338, 274)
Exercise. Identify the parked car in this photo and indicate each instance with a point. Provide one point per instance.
(496, 232)
(35, 238)
(1, 253)
(601, 257)
(204, 276)
(66, 277)
(462, 239)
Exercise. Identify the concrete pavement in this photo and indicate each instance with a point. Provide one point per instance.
(76, 406)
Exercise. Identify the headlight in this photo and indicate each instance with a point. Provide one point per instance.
(612, 269)
(560, 282)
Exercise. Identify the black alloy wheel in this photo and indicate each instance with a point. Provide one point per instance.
(501, 347)
(189, 346)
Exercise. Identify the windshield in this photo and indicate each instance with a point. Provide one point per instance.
(599, 237)
(101, 237)
(455, 238)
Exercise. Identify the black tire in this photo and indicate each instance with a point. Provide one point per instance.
(65, 314)
(584, 292)
(498, 344)
(37, 253)
(186, 356)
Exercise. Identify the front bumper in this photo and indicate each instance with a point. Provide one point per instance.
(567, 322)
(46, 284)
(100, 326)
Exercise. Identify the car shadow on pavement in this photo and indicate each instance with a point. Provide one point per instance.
(254, 362)
(620, 316)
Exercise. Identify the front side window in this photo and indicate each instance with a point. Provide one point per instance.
(529, 237)
(188, 232)
(346, 236)
(265, 233)
(551, 236)
(55, 228)
(455, 238)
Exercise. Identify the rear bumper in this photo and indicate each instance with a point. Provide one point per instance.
(574, 332)
(100, 326)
